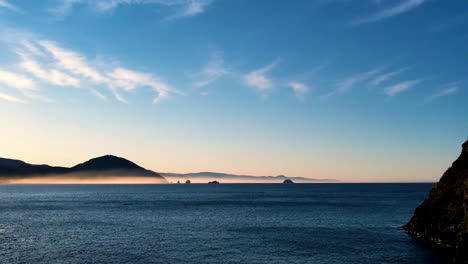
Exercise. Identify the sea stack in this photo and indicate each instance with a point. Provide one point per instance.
(288, 181)
(443, 217)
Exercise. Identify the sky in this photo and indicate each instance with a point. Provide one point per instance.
(354, 90)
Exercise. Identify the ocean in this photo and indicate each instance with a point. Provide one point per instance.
(212, 223)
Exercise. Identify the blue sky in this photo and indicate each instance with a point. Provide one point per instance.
(357, 90)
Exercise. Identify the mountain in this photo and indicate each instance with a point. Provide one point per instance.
(18, 168)
(105, 166)
(443, 217)
(233, 177)
(113, 165)
(107, 162)
(109, 166)
(10, 163)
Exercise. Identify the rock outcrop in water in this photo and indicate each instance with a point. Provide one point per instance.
(443, 217)
(225, 177)
(288, 181)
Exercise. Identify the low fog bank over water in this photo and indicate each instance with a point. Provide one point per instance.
(72, 179)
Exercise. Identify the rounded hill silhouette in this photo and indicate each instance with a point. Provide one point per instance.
(108, 162)
(102, 167)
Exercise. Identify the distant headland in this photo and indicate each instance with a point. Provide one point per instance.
(105, 169)
(113, 169)
(204, 177)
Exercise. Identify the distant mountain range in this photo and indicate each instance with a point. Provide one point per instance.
(106, 167)
(102, 167)
(233, 177)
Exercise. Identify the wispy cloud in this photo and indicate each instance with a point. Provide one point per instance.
(98, 94)
(384, 77)
(182, 8)
(72, 61)
(10, 98)
(16, 81)
(45, 61)
(445, 92)
(259, 79)
(348, 83)
(402, 7)
(23, 84)
(300, 89)
(400, 87)
(63, 8)
(117, 95)
(51, 76)
(129, 80)
(191, 8)
(8, 5)
(214, 70)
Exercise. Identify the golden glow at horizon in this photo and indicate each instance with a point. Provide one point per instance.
(132, 180)
(94, 180)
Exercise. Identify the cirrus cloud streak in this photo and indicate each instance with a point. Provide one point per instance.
(45, 61)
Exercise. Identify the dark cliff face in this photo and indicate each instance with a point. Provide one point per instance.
(443, 218)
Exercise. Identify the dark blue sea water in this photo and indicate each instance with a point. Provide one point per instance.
(225, 223)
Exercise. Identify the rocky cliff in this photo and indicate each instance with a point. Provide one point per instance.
(443, 217)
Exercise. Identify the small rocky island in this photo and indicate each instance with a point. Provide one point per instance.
(213, 182)
(443, 217)
(288, 181)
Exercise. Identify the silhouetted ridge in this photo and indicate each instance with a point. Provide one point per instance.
(11, 163)
(107, 162)
(105, 166)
